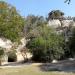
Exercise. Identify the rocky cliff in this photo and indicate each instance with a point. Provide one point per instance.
(64, 23)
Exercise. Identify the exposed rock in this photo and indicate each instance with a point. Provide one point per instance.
(54, 61)
(20, 57)
(54, 23)
(67, 23)
(23, 43)
(64, 23)
(5, 43)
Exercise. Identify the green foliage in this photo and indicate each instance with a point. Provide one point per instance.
(55, 14)
(11, 23)
(47, 46)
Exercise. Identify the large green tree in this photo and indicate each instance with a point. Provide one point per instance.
(11, 22)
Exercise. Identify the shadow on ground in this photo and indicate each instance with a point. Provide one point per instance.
(15, 64)
(66, 66)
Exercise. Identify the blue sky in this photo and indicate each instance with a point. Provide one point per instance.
(42, 7)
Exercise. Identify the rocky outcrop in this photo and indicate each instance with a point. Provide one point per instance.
(20, 46)
(5, 43)
(64, 23)
(54, 23)
(67, 23)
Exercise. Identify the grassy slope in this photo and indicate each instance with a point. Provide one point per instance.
(29, 70)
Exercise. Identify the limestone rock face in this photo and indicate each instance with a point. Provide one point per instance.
(23, 44)
(74, 24)
(20, 57)
(5, 43)
(66, 23)
(54, 23)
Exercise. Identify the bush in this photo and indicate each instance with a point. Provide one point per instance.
(47, 46)
(12, 56)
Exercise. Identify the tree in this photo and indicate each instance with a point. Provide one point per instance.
(55, 14)
(47, 46)
(11, 22)
(24, 51)
(1, 55)
(31, 23)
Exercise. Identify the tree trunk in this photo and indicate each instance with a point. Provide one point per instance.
(25, 57)
(0, 62)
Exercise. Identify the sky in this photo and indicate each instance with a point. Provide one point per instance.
(42, 7)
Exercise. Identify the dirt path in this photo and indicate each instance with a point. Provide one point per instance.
(66, 65)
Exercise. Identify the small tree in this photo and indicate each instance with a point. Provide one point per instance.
(1, 54)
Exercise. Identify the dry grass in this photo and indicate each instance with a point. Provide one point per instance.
(30, 70)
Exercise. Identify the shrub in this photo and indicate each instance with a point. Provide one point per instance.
(47, 46)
